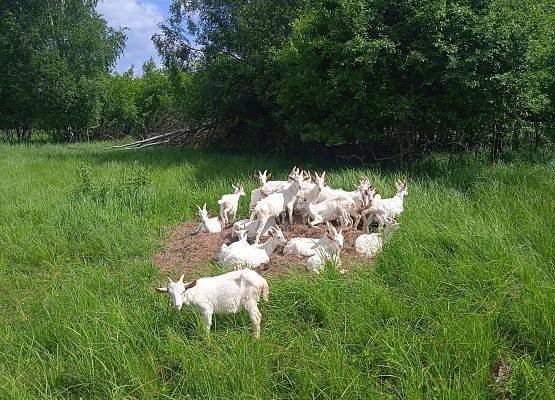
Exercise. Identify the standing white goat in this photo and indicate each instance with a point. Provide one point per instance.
(310, 193)
(382, 209)
(229, 203)
(210, 225)
(241, 254)
(224, 294)
(256, 194)
(275, 204)
(359, 197)
(271, 187)
(308, 247)
(371, 244)
(332, 209)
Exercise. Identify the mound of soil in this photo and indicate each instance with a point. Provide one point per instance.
(190, 253)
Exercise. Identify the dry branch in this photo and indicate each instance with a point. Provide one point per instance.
(192, 136)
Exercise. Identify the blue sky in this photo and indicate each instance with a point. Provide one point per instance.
(141, 17)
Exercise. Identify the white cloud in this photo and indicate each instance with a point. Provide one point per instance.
(142, 19)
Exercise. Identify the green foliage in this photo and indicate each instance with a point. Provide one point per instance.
(53, 53)
(409, 74)
(467, 281)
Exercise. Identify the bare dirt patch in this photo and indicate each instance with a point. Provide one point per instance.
(191, 254)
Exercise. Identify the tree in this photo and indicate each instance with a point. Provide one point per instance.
(52, 54)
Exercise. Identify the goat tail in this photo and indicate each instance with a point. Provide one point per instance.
(265, 290)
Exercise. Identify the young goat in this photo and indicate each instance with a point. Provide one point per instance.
(382, 209)
(308, 247)
(229, 203)
(332, 209)
(256, 194)
(224, 294)
(371, 244)
(310, 193)
(328, 252)
(271, 187)
(210, 225)
(247, 228)
(359, 197)
(241, 254)
(275, 204)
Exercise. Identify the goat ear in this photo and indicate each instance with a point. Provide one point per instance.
(330, 236)
(198, 207)
(204, 207)
(191, 284)
(265, 171)
(181, 278)
(162, 289)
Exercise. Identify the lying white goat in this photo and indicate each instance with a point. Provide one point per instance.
(382, 209)
(308, 247)
(210, 225)
(371, 244)
(275, 204)
(224, 294)
(247, 228)
(229, 203)
(241, 254)
(329, 252)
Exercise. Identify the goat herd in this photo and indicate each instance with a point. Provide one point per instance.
(304, 194)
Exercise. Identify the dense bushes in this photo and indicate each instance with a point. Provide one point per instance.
(410, 74)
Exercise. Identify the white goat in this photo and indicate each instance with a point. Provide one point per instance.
(308, 247)
(229, 203)
(271, 187)
(332, 209)
(210, 225)
(371, 244)
(329, 252)
(382, 209)
(359, 196)
(224, 294)
(275, 204)
(247, 228)
(309, 194)
(256, 194)
(241, 254)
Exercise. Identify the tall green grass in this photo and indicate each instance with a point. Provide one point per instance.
(468, 280)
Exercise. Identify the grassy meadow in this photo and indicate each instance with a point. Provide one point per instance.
(466, 283)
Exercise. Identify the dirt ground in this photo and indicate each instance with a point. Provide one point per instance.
(191, 254)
